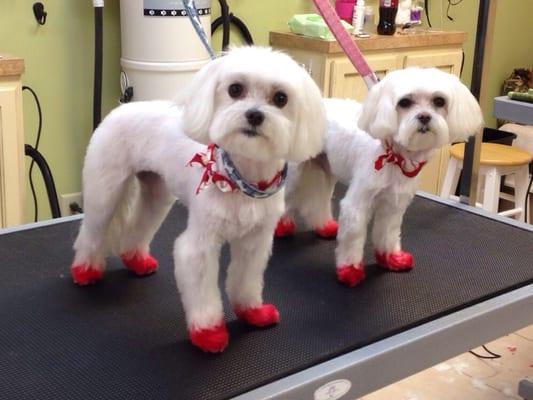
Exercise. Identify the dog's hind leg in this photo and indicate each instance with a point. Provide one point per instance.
(244, 283)
(309, 193)
(149, 209)
(101, 197)
(386, 232)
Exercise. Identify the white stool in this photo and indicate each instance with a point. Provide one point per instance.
(497, 160)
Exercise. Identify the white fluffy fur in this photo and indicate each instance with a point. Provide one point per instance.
(139, 154)
(356, 138)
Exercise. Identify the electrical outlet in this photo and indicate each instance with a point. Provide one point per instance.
(65, 200)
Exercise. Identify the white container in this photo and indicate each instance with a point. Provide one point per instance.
(160, 48)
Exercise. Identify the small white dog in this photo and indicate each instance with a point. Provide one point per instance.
(405, 117)
(257, 109)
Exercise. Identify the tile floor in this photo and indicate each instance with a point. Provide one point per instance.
(467, 377)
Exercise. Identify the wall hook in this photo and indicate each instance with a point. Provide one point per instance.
(40, 14)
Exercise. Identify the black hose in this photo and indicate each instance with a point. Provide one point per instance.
(241, 26)
(98, 57)
(224, 11)
(47, 177)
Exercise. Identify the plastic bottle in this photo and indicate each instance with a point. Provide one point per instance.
(369, 25)
(387, 15)
(344, 9)
(358, 18)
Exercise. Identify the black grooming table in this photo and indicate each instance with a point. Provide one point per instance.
(125, 338)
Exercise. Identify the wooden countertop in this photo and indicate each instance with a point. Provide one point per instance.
(375, 42)
(11, 65)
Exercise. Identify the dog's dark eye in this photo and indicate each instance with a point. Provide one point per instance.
(235, 90)
(405, 103)
(280, 99)
(439, 102)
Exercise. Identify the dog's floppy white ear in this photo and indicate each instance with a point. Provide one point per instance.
(198, 101)
(310, 121)
(464, 114)
(378, 116)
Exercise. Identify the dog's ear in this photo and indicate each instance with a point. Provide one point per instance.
(198, 101)
(378, 116)
(464, 114)
(310, 120)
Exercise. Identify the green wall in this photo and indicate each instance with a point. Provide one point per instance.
(59, 67)
(59, 63)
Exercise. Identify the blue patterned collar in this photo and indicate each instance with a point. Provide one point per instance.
(246, 187)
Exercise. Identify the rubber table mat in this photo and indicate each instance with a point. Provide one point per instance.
(126, 338)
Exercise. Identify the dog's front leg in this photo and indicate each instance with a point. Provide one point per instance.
(196, 253)
(355, 211)
(386, 232)
(244, 283)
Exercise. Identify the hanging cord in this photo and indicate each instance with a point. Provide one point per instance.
(426, 7)
(492, 356)
(37, 157)
(451, 3)
(36, 147)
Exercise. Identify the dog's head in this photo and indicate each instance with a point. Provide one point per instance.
(256, 102)
(421, 109)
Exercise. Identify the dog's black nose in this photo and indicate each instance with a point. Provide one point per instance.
(424, 118)
(254, 116)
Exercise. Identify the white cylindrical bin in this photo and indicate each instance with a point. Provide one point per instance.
(160, 48)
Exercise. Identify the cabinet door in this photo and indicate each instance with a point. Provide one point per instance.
(346, 82)
(11, 153)
(446, 60)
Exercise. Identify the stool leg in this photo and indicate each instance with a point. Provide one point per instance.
(451, 178)
(521, 181)
(492, 190)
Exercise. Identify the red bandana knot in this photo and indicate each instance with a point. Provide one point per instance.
(207, 160)
(390, 157)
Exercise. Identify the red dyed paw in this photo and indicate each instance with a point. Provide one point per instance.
(261, 316)
(210, 340)
(285, 227)
(350, 275)
(328, 230)
(139, 263)
(396, 261)
(85, 274)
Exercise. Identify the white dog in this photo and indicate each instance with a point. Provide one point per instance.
(405, 117)
(257, 109)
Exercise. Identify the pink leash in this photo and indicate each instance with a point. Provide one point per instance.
(350, 48)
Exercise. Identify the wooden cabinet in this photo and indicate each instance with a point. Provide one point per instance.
(11, 141)
(337, 77)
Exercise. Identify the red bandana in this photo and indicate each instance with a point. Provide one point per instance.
(395, 158)
(211, 175)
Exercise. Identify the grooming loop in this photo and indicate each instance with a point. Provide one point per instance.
(348, 46)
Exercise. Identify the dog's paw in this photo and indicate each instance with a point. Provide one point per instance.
(139, 263)
(285, 227)
(395, 261)
(350, 275)
(210, 340)
(261, 316)
(328, 230)
(85, 274)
